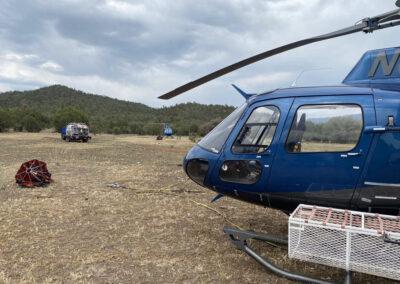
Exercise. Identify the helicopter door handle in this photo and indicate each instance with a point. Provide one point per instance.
(353, 154)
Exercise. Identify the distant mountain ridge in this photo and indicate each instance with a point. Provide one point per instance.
(111, 113)
(50, 99)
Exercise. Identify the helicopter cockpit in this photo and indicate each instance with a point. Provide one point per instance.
(217, 137)
(295, 130)
(255, 137)
(258, 131)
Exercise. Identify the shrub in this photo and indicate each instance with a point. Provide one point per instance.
(31, 124)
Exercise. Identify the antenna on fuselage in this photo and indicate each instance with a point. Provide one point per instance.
(294, 84)
(244, 94)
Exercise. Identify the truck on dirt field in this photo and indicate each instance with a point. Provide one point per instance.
(75, 132)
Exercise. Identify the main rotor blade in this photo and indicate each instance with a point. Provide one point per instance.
(367, 25)
(259, 57)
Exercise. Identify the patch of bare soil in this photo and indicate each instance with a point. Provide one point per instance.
(80, 230)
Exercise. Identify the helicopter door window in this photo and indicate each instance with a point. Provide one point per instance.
(325, 128)
(258, 132)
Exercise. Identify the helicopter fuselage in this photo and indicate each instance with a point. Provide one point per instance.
(330, 146)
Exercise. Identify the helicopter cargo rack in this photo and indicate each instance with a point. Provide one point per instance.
(351, 240)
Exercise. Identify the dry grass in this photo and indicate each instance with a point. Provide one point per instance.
(80, 230)
(325, 147)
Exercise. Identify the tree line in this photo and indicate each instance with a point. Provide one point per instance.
(31, 120)
(343, 130)
(56, 106)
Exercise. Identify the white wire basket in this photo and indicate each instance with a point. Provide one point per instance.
(352, 240)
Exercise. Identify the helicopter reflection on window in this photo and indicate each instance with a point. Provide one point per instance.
(258, 132)
(325, 128)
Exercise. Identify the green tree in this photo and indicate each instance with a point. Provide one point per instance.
(67, 115)
(97, 127)
(344, 129)
(136, 128)
(152, 129)
(194, 128)
(31, 124)
(5, 120)
(208, 126)
(116, 130)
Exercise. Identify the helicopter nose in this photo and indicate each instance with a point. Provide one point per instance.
(197, 165)
(197, 170)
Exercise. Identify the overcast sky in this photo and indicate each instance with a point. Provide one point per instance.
(138, 50)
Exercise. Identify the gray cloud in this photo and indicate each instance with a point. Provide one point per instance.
(137, 50)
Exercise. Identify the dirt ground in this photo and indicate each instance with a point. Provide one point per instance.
(80, 230)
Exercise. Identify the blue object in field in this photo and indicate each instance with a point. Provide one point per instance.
(63, 130)
(167, 130)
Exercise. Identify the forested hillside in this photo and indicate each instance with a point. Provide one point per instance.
(55, 105)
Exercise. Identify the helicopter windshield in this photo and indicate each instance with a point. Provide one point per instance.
(214, 140)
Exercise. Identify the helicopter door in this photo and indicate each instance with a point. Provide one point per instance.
(244, 166)
(322, 150)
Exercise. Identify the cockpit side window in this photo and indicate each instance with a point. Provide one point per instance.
(258, 131)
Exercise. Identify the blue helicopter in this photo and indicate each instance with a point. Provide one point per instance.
(329, 146)
(167, 131)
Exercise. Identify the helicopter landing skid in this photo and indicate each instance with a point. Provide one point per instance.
(239, 239)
